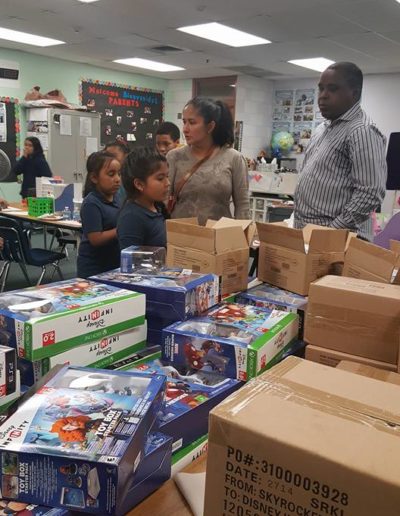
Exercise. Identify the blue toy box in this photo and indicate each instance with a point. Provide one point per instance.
(233, 340)
(274, 298)
(171, 294)
(46, 320)
(139, 257)
(189, 396)
(77, 441)
(25, 509)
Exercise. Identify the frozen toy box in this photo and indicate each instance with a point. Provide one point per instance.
(233, 340)
(47, 320)
(171, 294)
(99, 354)
(76, 443)
(190, 395)
(274, 298)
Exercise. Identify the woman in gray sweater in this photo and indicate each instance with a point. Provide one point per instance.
(207, 173)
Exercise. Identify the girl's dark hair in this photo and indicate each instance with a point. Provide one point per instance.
(95, 162)
(118, 143)
(141, 163)
(37, 146)
(215, 111)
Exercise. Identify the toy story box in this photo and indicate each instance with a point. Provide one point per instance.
(274, 298)
(47, 320)
(77, 441)
(99, 354)
(190, 394)
(232, 340)
(16, 508)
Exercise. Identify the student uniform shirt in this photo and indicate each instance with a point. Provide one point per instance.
(98, 214)
(139, 226)
(31, 168)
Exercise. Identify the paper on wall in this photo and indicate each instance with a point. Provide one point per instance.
(92, 145)
(85, 126)
(65, 125)
(42, 137)
(3, 122)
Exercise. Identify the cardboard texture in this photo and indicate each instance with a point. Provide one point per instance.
(370, 372)
(221, 247)
(364, 260)
(297, 440)
(333, 358)
(354, 316)
(292, 258)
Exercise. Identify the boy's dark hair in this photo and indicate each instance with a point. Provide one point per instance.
(141, 163)
(95, 162)
(118, 143)
(351, 73)
(169, 128)
(36, 144)
(215, 111)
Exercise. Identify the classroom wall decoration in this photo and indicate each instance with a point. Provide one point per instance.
(127, 113)
(10, 129)
(296, 112)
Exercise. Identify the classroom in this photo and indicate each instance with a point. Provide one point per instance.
(199, 258)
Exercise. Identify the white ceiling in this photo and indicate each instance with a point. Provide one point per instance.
(364, 31)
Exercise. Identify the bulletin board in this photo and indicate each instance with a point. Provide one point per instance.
(10, 129)
(127, 113)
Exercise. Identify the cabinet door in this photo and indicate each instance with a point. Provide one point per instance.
(85, 144)
(62, 147)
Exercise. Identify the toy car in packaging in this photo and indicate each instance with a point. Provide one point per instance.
(233, 340)
(46, 320)
(77, 441)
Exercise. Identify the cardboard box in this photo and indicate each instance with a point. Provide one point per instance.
(171, 294)
(354, 316)
(236, 341)
(292, 258)
(333, 358)
(297, 440)
(46, 320)
(221, 247)
(99, 354)
(274, 298)
(8, 370)
(75, 443)
(185, 456)
(370, 372)
(364, 260)
(189, 397)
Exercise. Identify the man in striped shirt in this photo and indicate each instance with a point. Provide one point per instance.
(343, 177)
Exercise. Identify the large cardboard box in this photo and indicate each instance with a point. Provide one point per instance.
(292, 258)
(305, 439)
(370, 372)
(367, 261)
(354, 316)
(332, 358)
(221, 247)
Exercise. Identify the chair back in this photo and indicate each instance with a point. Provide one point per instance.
(390, 232)
(16, 246)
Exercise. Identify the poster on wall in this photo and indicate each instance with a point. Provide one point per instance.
(3, 122)
(10, 130)
(39, 129)
(127, 113)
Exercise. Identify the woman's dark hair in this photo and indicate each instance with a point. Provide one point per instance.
(118, 143)
(95, 162)
(37, 146)
(215, 111)
(141, 163)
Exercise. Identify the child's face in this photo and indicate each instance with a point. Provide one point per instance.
(109, 179)
(155, 188)
(165, 143)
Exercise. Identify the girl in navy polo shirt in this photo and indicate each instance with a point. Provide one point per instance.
(145, 179)
(99, 251)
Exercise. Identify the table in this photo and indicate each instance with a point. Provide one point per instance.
(168, 499)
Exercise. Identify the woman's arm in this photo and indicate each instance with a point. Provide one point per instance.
(19, 167)
(43, 168)
(240, 187)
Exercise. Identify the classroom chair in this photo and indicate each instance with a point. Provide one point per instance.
(16, 249)
(390, 232)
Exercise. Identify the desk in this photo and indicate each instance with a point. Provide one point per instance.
(168, 500)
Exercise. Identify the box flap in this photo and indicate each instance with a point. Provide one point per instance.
(280, 235)
(395, 246)
(325, 240)
(369, 371)
(190, 235)
(368, 261)
(229, 239)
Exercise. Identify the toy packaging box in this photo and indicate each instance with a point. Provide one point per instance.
(183, 457)
(17, 508)
(274, 298)
(77, 441)
(233, 340)
(99, 354)
(139, 257)
(189, 396)
(8, 370)
(47, 320)
(9, 399)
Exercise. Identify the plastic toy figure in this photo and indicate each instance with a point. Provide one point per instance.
(193, 356)
(73, 428)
